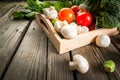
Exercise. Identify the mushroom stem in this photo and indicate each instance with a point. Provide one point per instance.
(72, 65)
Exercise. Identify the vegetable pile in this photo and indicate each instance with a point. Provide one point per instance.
(105, 12)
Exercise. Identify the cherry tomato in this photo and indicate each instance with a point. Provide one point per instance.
(66, 14)
(84, 19)
(75, 9)
(92, 26)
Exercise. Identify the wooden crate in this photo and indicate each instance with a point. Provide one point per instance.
(63, 45)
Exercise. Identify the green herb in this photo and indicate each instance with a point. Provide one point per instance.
(37, 6)
(23, 15)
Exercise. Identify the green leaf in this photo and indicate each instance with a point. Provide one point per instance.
(30, 15)
(47, 4)
(34, 6)
(58, 5)
(18, 15)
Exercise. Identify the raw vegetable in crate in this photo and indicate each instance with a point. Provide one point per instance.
(105, 12)
(50, 12)
(66, 14)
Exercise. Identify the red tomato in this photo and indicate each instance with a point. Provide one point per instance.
(75, 9)
(66, 14)
(84, 19)
(92, 26)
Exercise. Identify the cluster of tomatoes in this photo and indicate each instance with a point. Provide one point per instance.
(80, 14)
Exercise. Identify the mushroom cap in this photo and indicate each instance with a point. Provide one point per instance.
(58, 26)
(84, 6)
(103, 40)
(84, 29)
(82, 64)
(69, 31)
(50, 13)
(78, 27)
(74, 24)
(53, 14)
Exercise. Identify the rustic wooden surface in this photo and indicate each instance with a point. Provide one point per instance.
(27, 54)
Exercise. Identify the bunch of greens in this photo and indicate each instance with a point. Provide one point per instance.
(37, 7)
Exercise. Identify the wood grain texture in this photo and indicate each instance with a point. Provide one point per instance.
(96, 57)
(11, 34)
(116, 41)
(112, 53)
(29, 62)
(5, 8)
(95, 62)
(2, 4)
(58, 68)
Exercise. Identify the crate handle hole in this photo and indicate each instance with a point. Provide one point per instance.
(42, 22)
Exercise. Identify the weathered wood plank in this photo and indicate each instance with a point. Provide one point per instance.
(3, 4)
(6, 11)
(11, 34)
(58, 68)
(111, 53)
(116, 41)
(6, 8)
(95, 70)
(96, 57)
(29, 62)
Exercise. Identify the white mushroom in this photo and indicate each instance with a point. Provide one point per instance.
(50, 13)
(79, 63)
(84, 6)
(64, 23)
(78, 27)
(69, 31)
(59, 24)
(84, 29)
(103, 40)
(74, 24)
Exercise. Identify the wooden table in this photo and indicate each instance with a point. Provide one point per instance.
(27, 54)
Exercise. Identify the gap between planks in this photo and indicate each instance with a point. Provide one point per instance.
(16, 46)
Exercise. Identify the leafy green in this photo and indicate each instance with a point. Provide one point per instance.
(107, 20)
(58, 5)
(106, 12)
(18, 15)
(37, 6)
(34, 5)
(110, 11)
(77, 2)
(23, 15)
